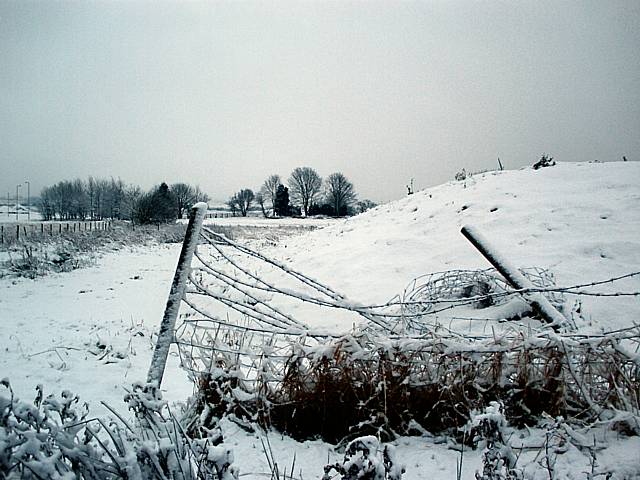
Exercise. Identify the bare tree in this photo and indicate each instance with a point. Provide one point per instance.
(101, 198)
(187, 196)
(131, 197)
(260, 201)
(232, 203)
(116, 189)
(269, 188)
(340, 192)
(241, 201)
(304, 184)
(183, 194)
(91, 192)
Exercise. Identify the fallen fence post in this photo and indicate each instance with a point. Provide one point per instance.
(166, 333)
(538, 302)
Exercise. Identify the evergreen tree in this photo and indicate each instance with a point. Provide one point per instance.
(164, 204)
(281, 207)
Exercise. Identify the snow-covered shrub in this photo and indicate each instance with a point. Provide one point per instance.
(366, 459)
(545, 161)
(498, 459)
(461, 175)
(220, 394)
(52, 438)
(27, 264)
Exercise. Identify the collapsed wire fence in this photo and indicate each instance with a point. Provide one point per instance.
(244, 339)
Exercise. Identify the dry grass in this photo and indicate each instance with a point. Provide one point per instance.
(362, 384)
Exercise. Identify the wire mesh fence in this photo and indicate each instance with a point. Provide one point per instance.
(246, 316)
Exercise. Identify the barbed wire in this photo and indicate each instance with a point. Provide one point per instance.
(263, 312)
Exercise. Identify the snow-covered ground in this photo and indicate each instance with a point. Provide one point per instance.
(8, 214)
(88, 330)
(92, 330)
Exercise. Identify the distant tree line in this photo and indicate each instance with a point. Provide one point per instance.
(305, 193)
(98, 199)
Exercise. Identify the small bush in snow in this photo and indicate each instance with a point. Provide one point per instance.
(498, 459)
(545, 161)
(461, 175)
(366, 459)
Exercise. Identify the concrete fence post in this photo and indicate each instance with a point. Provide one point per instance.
(538, 302)
(178, 286)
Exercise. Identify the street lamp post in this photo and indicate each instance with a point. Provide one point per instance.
(17, 200)
(28, 200)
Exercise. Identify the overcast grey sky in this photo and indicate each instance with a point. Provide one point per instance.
(223, 94)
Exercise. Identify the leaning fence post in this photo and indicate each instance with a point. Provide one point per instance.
(538, 302)
(165, 336)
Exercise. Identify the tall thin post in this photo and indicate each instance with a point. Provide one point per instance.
(17, 200)
(538, 302)
(165, 336)
(28, 200)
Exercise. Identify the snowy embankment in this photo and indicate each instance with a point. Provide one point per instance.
(581, 221)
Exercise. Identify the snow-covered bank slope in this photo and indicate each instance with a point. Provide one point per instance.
(581, 220)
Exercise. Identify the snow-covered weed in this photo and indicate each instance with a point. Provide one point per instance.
(545, 161)
(498, 459)
(366, 459)
(53, 438)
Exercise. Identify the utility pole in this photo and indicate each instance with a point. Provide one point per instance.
(28, 200)
(17, 199)
(8, 204)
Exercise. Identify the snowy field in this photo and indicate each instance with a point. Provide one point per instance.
(92, 331)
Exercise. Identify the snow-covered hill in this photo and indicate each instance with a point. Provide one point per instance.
(580, 220)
